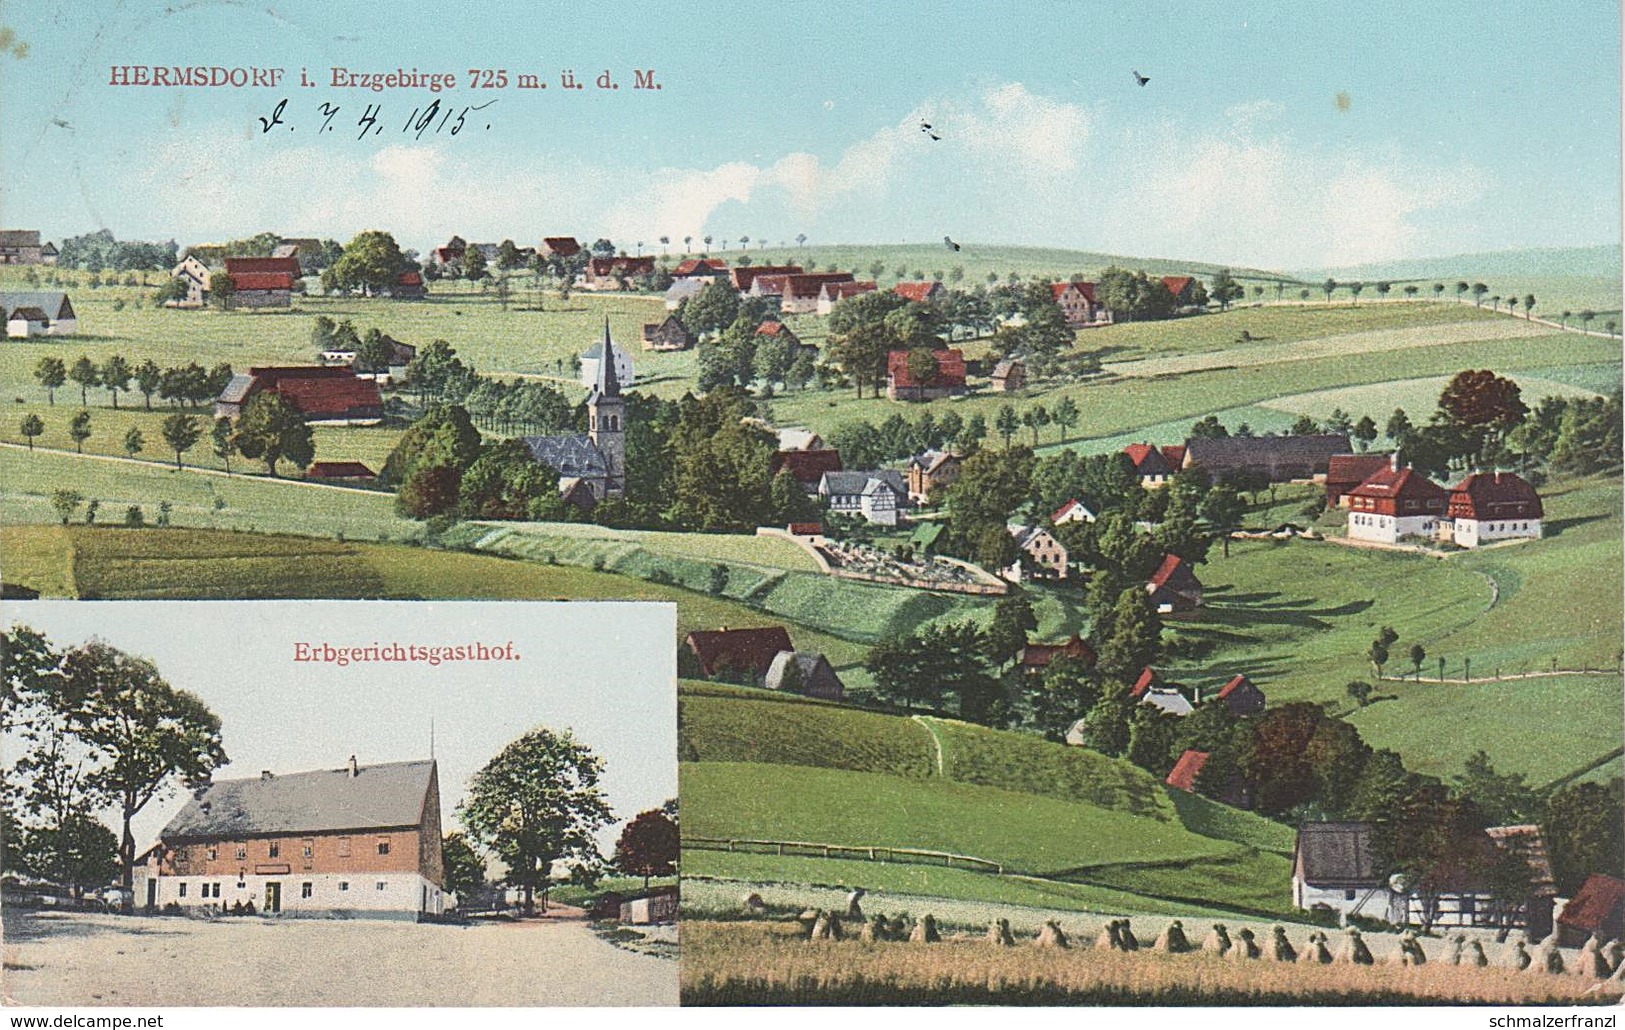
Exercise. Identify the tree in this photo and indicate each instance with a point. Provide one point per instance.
(1488, 406)
(85, 373)
(1006, 422)
(1505, 798)
(1360, 691)
(1135, 636)
(31, 426)
(648, 846)
(1417, 654)
(148, 377)
(181, 432)
(713, 309)
(1066, 415)
(142, 735)
(222, 290)
(372, 261)
(1035, 418)
(222, 440)
(1365, 431)
(1584, 833)
(271, 429)
(1224, 289)
(79, 430)
(1479, 289)
(115, 376)
(133, 442)
(1377, 654)
(66, 502)
(1222, 509)
(465, 868)
(1329, 287)
(537, 802)
(429, 490)
(51, 373)
(1006, 635)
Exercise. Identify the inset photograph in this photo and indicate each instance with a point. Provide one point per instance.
(339, 803)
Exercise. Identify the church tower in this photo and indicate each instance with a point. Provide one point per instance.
(606, 420)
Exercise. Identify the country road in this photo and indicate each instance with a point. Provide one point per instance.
(62, 959)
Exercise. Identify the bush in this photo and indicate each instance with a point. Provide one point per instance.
(662, 577)
(133, 517)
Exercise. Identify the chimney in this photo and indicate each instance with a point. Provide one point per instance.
(354, 769)
(265, 774)
(1394, 463)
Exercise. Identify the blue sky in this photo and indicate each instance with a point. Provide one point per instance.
(1467, 127)
(285, 716)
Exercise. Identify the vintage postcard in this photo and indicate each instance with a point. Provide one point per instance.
(1139, 483)
(341, 803)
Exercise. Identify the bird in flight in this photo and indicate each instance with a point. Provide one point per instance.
(925, 127)
(1141, 79)
(59, 123)
(949, 242)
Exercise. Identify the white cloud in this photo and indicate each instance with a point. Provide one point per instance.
(1013, 166)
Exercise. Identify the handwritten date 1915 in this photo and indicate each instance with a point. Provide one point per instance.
(432, 119)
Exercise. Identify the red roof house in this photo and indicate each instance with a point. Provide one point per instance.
(1393, 503)
(1151, 463)
(238, 266)
(1077, 301)
(1241, 696)
(1185, 771)
(323, 393)
(1180, 286)
(739, 652)
(1149, 679)
(560, 246)
(744, 277)
(408, 286)
(703, 267)
(807, 466)
(1037, 657)
(1344, 472)
(1598, 908)
(948, 380)
(919, 293)
(1499, 495)
(247, 281)
(833, 293)
(351, 470)
(1174, 587)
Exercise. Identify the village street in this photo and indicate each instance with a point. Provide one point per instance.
(77, 959)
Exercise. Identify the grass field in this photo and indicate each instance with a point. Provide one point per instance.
(839, 775)
(1125, 405)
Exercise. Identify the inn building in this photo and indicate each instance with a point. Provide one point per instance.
(357, 841)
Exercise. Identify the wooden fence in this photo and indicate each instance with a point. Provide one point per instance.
(810, 849)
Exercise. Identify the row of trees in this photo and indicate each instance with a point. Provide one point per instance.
(270, 430)
(189, 385)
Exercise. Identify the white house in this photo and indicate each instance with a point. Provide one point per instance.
(623, 365)
(1486, 507)
(1073, 510)
(38, 313)
(1395, 503)
(1335, 868)
(879, 495)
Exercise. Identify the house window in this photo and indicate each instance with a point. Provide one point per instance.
(242, 852)
(183, 889)
(305, 889)
(274, 850)
(1469, 906)
(214, 890)
(344, 885)
(383, 847)
(344, 847)
(214, 852)
(381, 885)
(1348, 895)
(309, 848)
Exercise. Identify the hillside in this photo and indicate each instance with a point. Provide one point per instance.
(839, 775)
(1601, 261)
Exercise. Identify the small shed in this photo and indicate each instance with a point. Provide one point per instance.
(807, 673)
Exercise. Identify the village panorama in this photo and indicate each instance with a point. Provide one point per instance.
(1026, 598)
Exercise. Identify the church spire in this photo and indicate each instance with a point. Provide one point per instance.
(607, 383)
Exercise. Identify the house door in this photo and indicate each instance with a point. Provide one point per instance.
(273, 897)
(152, 893)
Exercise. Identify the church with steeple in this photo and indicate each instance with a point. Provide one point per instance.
(591, 465)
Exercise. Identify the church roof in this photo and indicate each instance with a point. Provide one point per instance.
(571, 454)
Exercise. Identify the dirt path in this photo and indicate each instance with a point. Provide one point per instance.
(60, 960)
(935, 739)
